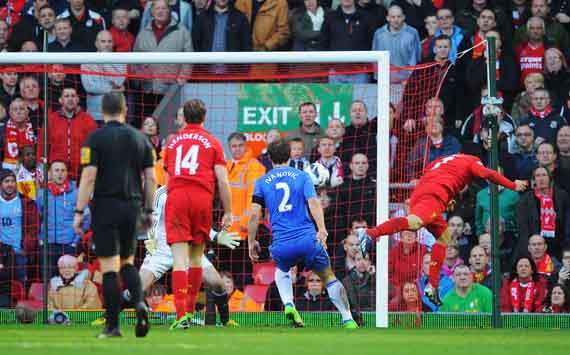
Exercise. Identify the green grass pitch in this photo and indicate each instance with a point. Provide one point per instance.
(80, 340)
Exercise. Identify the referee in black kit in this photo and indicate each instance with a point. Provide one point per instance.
(113, 159)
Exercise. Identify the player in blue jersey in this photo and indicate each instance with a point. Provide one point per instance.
(286, 193)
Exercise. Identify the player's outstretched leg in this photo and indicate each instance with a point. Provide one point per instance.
(180, 285)
(338, 296)
(442, 233)
(132, 281)
(285, 287)
(391, 226)
(194, 275)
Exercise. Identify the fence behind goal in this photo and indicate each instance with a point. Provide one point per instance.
(252, 99)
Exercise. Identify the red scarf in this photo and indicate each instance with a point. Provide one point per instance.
(545, 265)
(58, 190)
(522, 296)
(480, 276)
(15, 139)
(547, 214)
(478, 50)
(543, 114)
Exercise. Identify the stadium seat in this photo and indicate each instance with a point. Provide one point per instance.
(36, 292)
(256, 292)
(263, 273)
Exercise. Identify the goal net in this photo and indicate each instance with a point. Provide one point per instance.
(362, 105)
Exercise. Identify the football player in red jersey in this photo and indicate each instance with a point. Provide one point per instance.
(194, 160)
(443, 179)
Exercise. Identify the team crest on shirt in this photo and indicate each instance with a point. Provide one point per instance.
(85, 155)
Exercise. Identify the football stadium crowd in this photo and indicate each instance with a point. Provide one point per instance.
(533, 79)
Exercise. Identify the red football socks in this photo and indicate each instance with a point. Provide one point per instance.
(194, 285)
(180, 289)
(391, 226)
(437, 256)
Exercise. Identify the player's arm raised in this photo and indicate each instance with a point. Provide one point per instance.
(225, 194)
(488, 174)
(252, 244)
(318, 215)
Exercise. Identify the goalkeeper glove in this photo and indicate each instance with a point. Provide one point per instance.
(150, 244)
(227, 239)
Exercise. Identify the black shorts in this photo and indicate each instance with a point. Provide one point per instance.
(114, 227)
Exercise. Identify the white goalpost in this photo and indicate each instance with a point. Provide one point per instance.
(382, 64)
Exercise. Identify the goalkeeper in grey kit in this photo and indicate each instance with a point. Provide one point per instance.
(158, 259)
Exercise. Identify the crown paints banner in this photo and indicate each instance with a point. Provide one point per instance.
(266, 106)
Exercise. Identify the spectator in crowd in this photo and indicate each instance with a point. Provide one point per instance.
(543, 120)
(360, 285)
(335, 130)
(123, 40)
(330, 161)
(430, 26)
(69, 128)
(29, 27)
(446, 26)
(507, 72)
(565, 107)
(150, 128)
(457, 227)
(29, 173)
(58, 80)
(71, 289)
(564, 273)
(243, 171)
(17, 133)
(345, 258)
(306, 23)
(297, 157)
(315, 297)
(481, 15)
(237, 300)
(180, 12)
(519, 13)
(557, 300)
(348, 28)
(85, 23)
(546, 265)
(563, 148)
(484, 241)
(554, 31)
(162, 34)
(273, 299)
(556, 75)
(29, 46)
(19, 232)
(408, 299)
(222, 28)
(309, 130)
(452, 258)
(47, 21)
(357, 194)
(480, 268)
(467, 296)
(4, 33)
(542, 211)
(360, 135)
(401, 40)
(525, 290)
(272, 135)
(508, 202)
(30, 92)
(547, 157)
(530, 53)
(98, 85)
(375, 10)
(61, 200)
(269, 23)
(524, 158)
(521, 105)
(404, 259)
(63, 40)
(416, 12)
(445, 284)
(9, 89)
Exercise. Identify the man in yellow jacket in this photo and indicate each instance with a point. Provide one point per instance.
(243, 171)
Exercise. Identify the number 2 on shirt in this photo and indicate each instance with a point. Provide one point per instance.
(284, 206)
(189, 161)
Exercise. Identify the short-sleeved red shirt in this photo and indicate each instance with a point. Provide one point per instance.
(190, 157)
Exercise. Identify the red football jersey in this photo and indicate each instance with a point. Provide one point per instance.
(190, 157)
(447, 176)
(531, 59)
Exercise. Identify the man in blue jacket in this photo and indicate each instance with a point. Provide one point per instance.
(62, 197)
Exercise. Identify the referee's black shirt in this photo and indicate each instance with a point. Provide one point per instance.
(120, 153)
